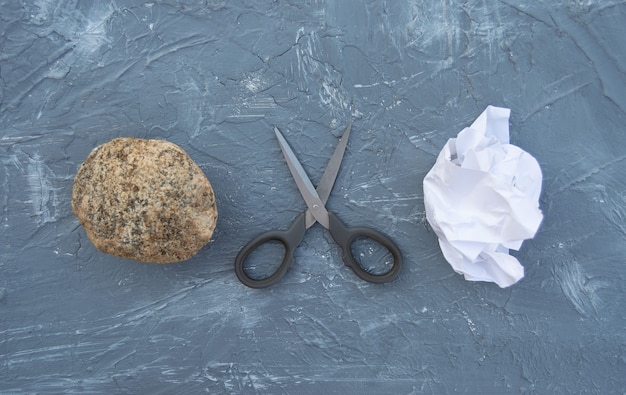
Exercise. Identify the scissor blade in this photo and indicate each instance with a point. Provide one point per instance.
(332, 169)
(306, 188)
(327, 181)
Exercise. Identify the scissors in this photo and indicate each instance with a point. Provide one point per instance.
(316, 212)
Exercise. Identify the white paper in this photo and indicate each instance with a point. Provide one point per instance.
(482, 199)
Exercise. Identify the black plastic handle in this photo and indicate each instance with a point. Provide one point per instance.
(345, 236)
(290, 238)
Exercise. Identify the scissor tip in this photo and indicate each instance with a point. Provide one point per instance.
(280, 137)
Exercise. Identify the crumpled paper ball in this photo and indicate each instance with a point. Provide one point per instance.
(482, 199)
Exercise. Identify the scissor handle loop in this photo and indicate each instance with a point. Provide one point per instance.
(345, 236)
(290, 238)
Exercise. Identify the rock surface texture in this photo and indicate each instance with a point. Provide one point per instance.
(145, 200)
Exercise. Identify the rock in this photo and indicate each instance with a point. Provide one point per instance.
(145, 200)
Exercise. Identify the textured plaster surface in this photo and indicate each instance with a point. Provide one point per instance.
(214, 77)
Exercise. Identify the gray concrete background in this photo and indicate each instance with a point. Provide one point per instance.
(214, 77)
